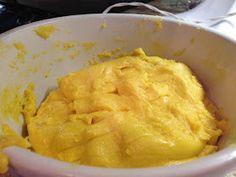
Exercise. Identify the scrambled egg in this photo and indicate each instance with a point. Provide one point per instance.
(45, 31)
(135, 111)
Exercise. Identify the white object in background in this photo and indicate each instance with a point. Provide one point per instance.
(228, 27)
(218, 14)
(214, 8)
(208, 9)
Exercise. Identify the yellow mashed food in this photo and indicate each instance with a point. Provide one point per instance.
(135, 111)
(45, 31)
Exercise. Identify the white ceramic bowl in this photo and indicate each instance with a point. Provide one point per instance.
(210, 55)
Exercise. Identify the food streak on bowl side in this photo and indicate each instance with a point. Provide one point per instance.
(69, 45)
(147, 28)
(103, 25)
(38, 55)
(13, 104)
(216, 69)
(4, 48)
(88, 46)
(45, 31)
(179, 53)
(20, 57)
(71, 48)
(145, 23)
(192, 41)
(21, 51)
(73, 55)
(112, 54)
(158, 48)
(10, 138)
(120, 40)
(158, 24)
(106, 55)
(3, 163)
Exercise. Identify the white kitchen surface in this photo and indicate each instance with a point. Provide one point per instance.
(214, 8)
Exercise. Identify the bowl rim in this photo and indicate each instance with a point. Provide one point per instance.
(121, 15)
(219, 161)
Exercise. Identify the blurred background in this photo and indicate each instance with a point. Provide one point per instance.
(18, 12)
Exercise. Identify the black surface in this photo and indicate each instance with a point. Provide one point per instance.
(13, 15)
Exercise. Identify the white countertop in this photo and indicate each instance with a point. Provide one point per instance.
(215, 8)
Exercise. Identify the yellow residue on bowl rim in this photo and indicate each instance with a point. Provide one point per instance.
(11, 102)
(87, 46)
(158, 24)
(21, 51)
(45, 31)
(103, 25)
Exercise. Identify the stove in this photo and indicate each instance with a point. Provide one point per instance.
(14, 13)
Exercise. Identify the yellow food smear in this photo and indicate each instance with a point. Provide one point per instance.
(13, 65)
(92, 61)
(12, 105)
(45, 31)
(38, 55)
(9, 138)
(74, 54)
(192, 41)
(21, 51)
(120, 39)
(104, 55)
(103, 25)
(29, 106)
(69, 45)
(60, 59)
(4, 48)
(135, 111)
(3, 163)
(158, 25)
(88, 45)
(11, 102)
(47, 73)
(216, 69)
(179, 53)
